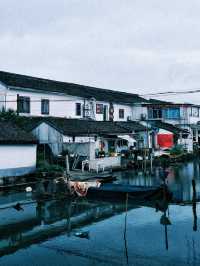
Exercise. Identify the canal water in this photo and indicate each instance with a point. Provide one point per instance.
(105, 233)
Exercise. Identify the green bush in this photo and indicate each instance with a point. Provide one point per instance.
(45, 167)
(8, 114)
(177, 150)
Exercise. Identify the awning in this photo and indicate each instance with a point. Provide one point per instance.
(130, 140)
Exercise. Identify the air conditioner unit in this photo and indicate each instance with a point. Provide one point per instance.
(143, 117)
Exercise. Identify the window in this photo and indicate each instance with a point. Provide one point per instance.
(121, 113)
(154, 113)
(99, 108)
(78, 109)
(23, 104)
(172, 113)
(45, 107)
(195, 112)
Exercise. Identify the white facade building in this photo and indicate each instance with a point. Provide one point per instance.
(40, 97)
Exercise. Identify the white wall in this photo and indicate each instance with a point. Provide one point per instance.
(82, 149)
(17, 159)
(137, 111)
(106, 162)
(130, 111)
(127, 112)
(59, 105)
(2, 95)
(48, 135)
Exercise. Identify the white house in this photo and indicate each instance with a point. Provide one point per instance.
(17, 151)
(31, 96)
(172, 113)
(42, 97)
(100, 142)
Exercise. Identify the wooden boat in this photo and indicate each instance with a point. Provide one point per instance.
(103, 179)
(120, 192)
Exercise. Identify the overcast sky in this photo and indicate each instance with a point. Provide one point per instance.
(139, 46)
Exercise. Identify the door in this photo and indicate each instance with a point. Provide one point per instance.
(105, 113)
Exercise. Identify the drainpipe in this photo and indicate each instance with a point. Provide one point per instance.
(5, 101)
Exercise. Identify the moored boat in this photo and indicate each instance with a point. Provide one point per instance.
(121, 192)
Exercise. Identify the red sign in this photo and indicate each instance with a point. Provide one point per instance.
(99, 108)
(165, 140)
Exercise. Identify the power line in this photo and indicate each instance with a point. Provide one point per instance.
(10, 101)
(171, 93)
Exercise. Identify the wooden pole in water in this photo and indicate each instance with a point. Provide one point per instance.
(125, 229)
(194, 205)
(151, 163)
(67, 164)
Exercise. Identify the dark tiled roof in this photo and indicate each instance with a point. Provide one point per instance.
(28, 82)
(169, 127)
(78, 127)
(195, 126)
(132, 126)
(158, 103)
(73, 127)
(27, 123)
(10, 133)
(155, 101)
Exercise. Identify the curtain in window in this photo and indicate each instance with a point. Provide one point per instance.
(171, 113)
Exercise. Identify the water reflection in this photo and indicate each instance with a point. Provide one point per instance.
(159, 233)
(179, 179)
(40, 220)
(118, 235)
(46, 219)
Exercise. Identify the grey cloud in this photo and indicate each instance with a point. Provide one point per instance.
(137, 46)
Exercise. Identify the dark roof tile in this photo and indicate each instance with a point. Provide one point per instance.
(131, 125)
(10, 133)
(73, 127)
(28, 82)
(168, 127)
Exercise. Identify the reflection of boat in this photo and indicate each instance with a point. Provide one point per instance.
(120, 192)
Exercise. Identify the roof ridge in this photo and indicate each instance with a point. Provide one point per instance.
(68, 83)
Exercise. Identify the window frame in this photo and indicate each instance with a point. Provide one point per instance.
(78, 109)
(23, 104)
(155, 113)
(43, 102)
(172, 113)
(121, 113)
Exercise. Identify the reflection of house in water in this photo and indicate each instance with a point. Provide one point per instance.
(40, 221)
(180, 181)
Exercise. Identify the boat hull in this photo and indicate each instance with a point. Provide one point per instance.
(121, 192)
